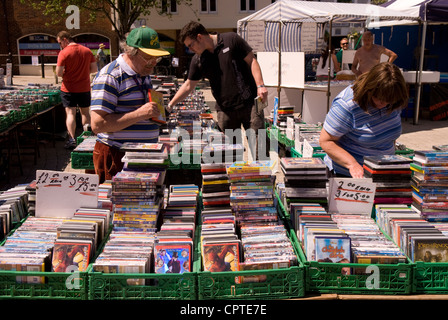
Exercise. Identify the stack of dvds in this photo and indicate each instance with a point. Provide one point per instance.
(104, 195)
(144, 156)
(175, 240)
(220, 245)
(127, 252)
(368, 244)
(323, 241)
(305, 180)
(30, 248)
(193, 146)
(215, 185)
(222, 153)
(430, 184)
(14, 203)
(301, 212)
(76, 244)
(307, 132)
(87, 145)
(252, 192)
(392, 175)
(418, 238)
(137, 200)
(345, 238)
(170, 141)
(265, 247)
(283, 113)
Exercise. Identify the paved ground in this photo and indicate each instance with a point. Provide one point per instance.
(421, 136)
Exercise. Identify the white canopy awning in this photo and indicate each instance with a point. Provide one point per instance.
(307, 11)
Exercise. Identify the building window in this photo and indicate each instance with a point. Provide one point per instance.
(247, 5)
(208, 6)
(169, 6)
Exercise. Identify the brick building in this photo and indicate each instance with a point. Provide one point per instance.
(29, 37)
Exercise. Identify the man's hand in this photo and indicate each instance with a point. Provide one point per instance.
(149, 110)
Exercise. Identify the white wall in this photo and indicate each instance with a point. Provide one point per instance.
(227, 15)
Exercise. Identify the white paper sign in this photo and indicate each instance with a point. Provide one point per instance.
(35, 60)
(307, 149)
(349, 195)
(308, 37)
(59, 194)
(255, 32)
(292, 68)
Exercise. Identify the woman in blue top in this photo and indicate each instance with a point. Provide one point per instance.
(364, 120)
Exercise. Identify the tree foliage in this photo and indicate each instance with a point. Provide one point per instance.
(121, 13)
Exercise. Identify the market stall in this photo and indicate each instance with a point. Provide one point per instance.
(288, 26)
(428, 12)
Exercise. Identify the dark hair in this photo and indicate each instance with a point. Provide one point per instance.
(64, 35)
(191, 30)
(324, 54)
(385, 82)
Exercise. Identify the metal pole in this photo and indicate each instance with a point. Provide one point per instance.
(419, 73)
(42, 65)
(279, 61)
(329, 67)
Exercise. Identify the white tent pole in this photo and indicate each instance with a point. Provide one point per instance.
(419, 78)
(279, 60)
(329, 67)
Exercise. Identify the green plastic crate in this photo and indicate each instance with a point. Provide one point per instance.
(103, 286)
(6, 122)
(82, 160)
(83, 135)
(56, 285)
(386, 279)
(189, 160)
(297, 154)
(115, 286)
(287, 283)
(430, 278)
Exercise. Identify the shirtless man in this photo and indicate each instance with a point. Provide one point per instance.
(369, 55)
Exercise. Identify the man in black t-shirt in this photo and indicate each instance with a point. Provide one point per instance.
(229, 63)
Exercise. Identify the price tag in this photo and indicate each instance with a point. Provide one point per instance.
(59, 194)
(348, 195)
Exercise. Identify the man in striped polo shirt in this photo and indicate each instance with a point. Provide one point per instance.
(364, 120)
(120, 107)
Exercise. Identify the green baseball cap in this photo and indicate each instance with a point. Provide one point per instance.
(147, 40)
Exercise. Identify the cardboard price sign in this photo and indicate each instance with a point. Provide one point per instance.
(59, 194)
(348, 195)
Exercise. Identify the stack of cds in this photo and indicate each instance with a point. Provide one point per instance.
(305, 180)
(430, 184)
(127, 252)
(282, 114)
(174, 241)
(252, 192)
(30, 248)
(215, 185)
(144, 156)
(222, 153)
(265, 247)
(418, 238)
(392, 175)
(136, 198)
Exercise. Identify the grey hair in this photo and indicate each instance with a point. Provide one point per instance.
(131, 51)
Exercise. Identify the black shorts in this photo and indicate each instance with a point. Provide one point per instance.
(75, 99)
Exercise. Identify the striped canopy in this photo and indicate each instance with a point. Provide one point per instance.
(293, 14)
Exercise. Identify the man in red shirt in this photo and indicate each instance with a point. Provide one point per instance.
(75, 64)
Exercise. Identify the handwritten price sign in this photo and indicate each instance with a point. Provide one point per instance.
(59, 194)
(349, 195)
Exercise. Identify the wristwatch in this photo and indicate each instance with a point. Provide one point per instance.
(260, 86)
